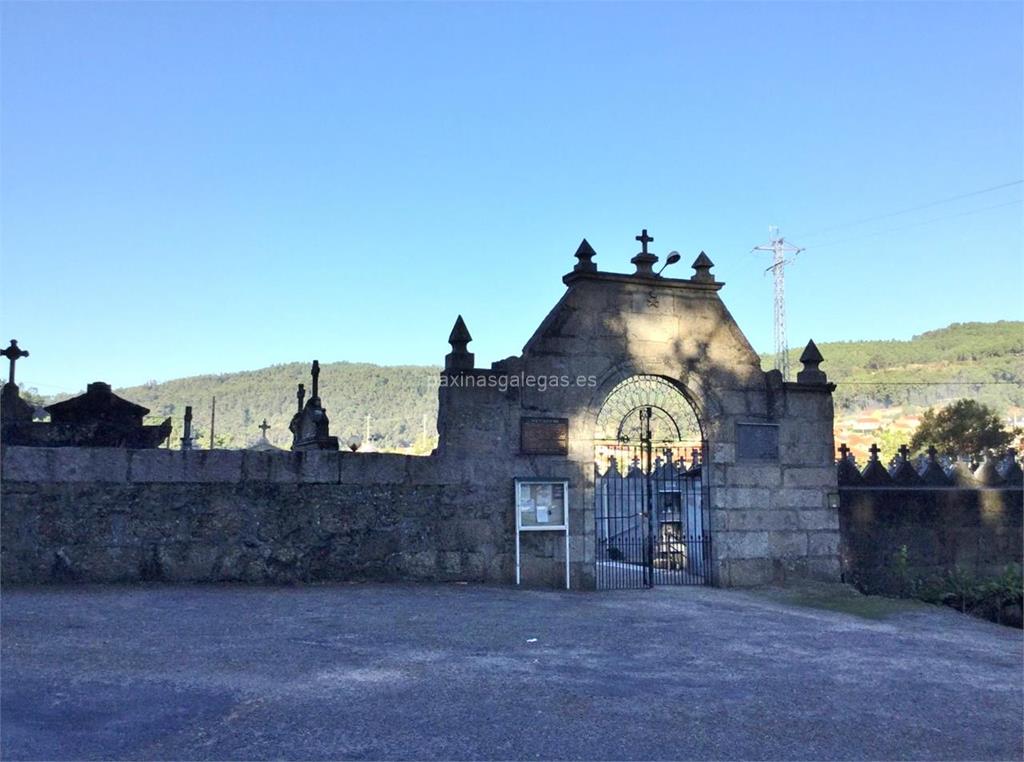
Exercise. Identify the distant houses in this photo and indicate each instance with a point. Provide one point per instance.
(861, 428)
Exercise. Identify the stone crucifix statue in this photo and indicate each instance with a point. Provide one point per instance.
(13, 353)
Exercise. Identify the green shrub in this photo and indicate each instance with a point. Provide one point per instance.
(999, 600)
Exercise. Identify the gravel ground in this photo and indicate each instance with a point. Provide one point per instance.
(465, 672)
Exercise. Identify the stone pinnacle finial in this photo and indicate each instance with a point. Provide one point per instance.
(811, 358)
(301, 395)
(460, 358)
(702, 269)
(644, 261)
(585, 254)
(459, 337)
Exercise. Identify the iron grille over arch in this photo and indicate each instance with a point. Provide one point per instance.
(673, 420)
(651, 488)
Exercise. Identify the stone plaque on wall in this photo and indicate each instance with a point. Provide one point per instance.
(757, 441)
(544, 436)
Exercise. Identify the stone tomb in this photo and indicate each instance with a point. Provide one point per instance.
(98, 418)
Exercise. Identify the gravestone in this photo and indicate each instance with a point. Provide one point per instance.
(98, 418)
(310, 425)
(13, 409)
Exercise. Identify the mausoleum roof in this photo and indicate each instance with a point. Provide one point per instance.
(98, 402)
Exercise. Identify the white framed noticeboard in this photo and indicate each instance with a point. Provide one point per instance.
(542, 505)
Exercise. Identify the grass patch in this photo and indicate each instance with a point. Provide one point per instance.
(843, 599)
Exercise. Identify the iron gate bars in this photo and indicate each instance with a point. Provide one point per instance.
(651, 512)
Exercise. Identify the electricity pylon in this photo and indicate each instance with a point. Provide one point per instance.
(779, 248)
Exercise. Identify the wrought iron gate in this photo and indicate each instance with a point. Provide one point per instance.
(651, 511)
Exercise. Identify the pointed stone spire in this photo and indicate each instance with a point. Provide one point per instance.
(962, 474)
(459, 338)
(874, 473)
(585, 254)
(987, 473)
(847, 472)
(934, 474)
(702, 269)
(811, 358)
(904, 473)
(460, 358)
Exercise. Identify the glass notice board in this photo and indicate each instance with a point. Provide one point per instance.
(542, 505)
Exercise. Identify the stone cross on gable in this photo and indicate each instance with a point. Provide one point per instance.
(874, 450)
(13, 353)
(644, 239)
(905, 452)
(644, 260)
(264, 427)
(844, 451)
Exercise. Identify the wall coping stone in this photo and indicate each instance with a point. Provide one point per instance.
(125, 466)
(931, 488)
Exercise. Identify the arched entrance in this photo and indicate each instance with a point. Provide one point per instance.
(651, 488)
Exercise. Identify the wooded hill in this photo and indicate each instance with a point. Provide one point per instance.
(399, 400)
(984, 361)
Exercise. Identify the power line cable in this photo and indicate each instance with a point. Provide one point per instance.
(913, 225)
(911, 209)
(928, 383)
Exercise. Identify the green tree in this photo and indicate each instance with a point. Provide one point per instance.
(966, 427)
(889, 441)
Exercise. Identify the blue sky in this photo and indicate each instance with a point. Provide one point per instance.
(205, 187)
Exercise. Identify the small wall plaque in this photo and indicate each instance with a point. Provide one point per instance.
(757, 441)
(544, 436)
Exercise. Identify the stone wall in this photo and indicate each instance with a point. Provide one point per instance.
(772, 521)
(978, 530)
(108, 515)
